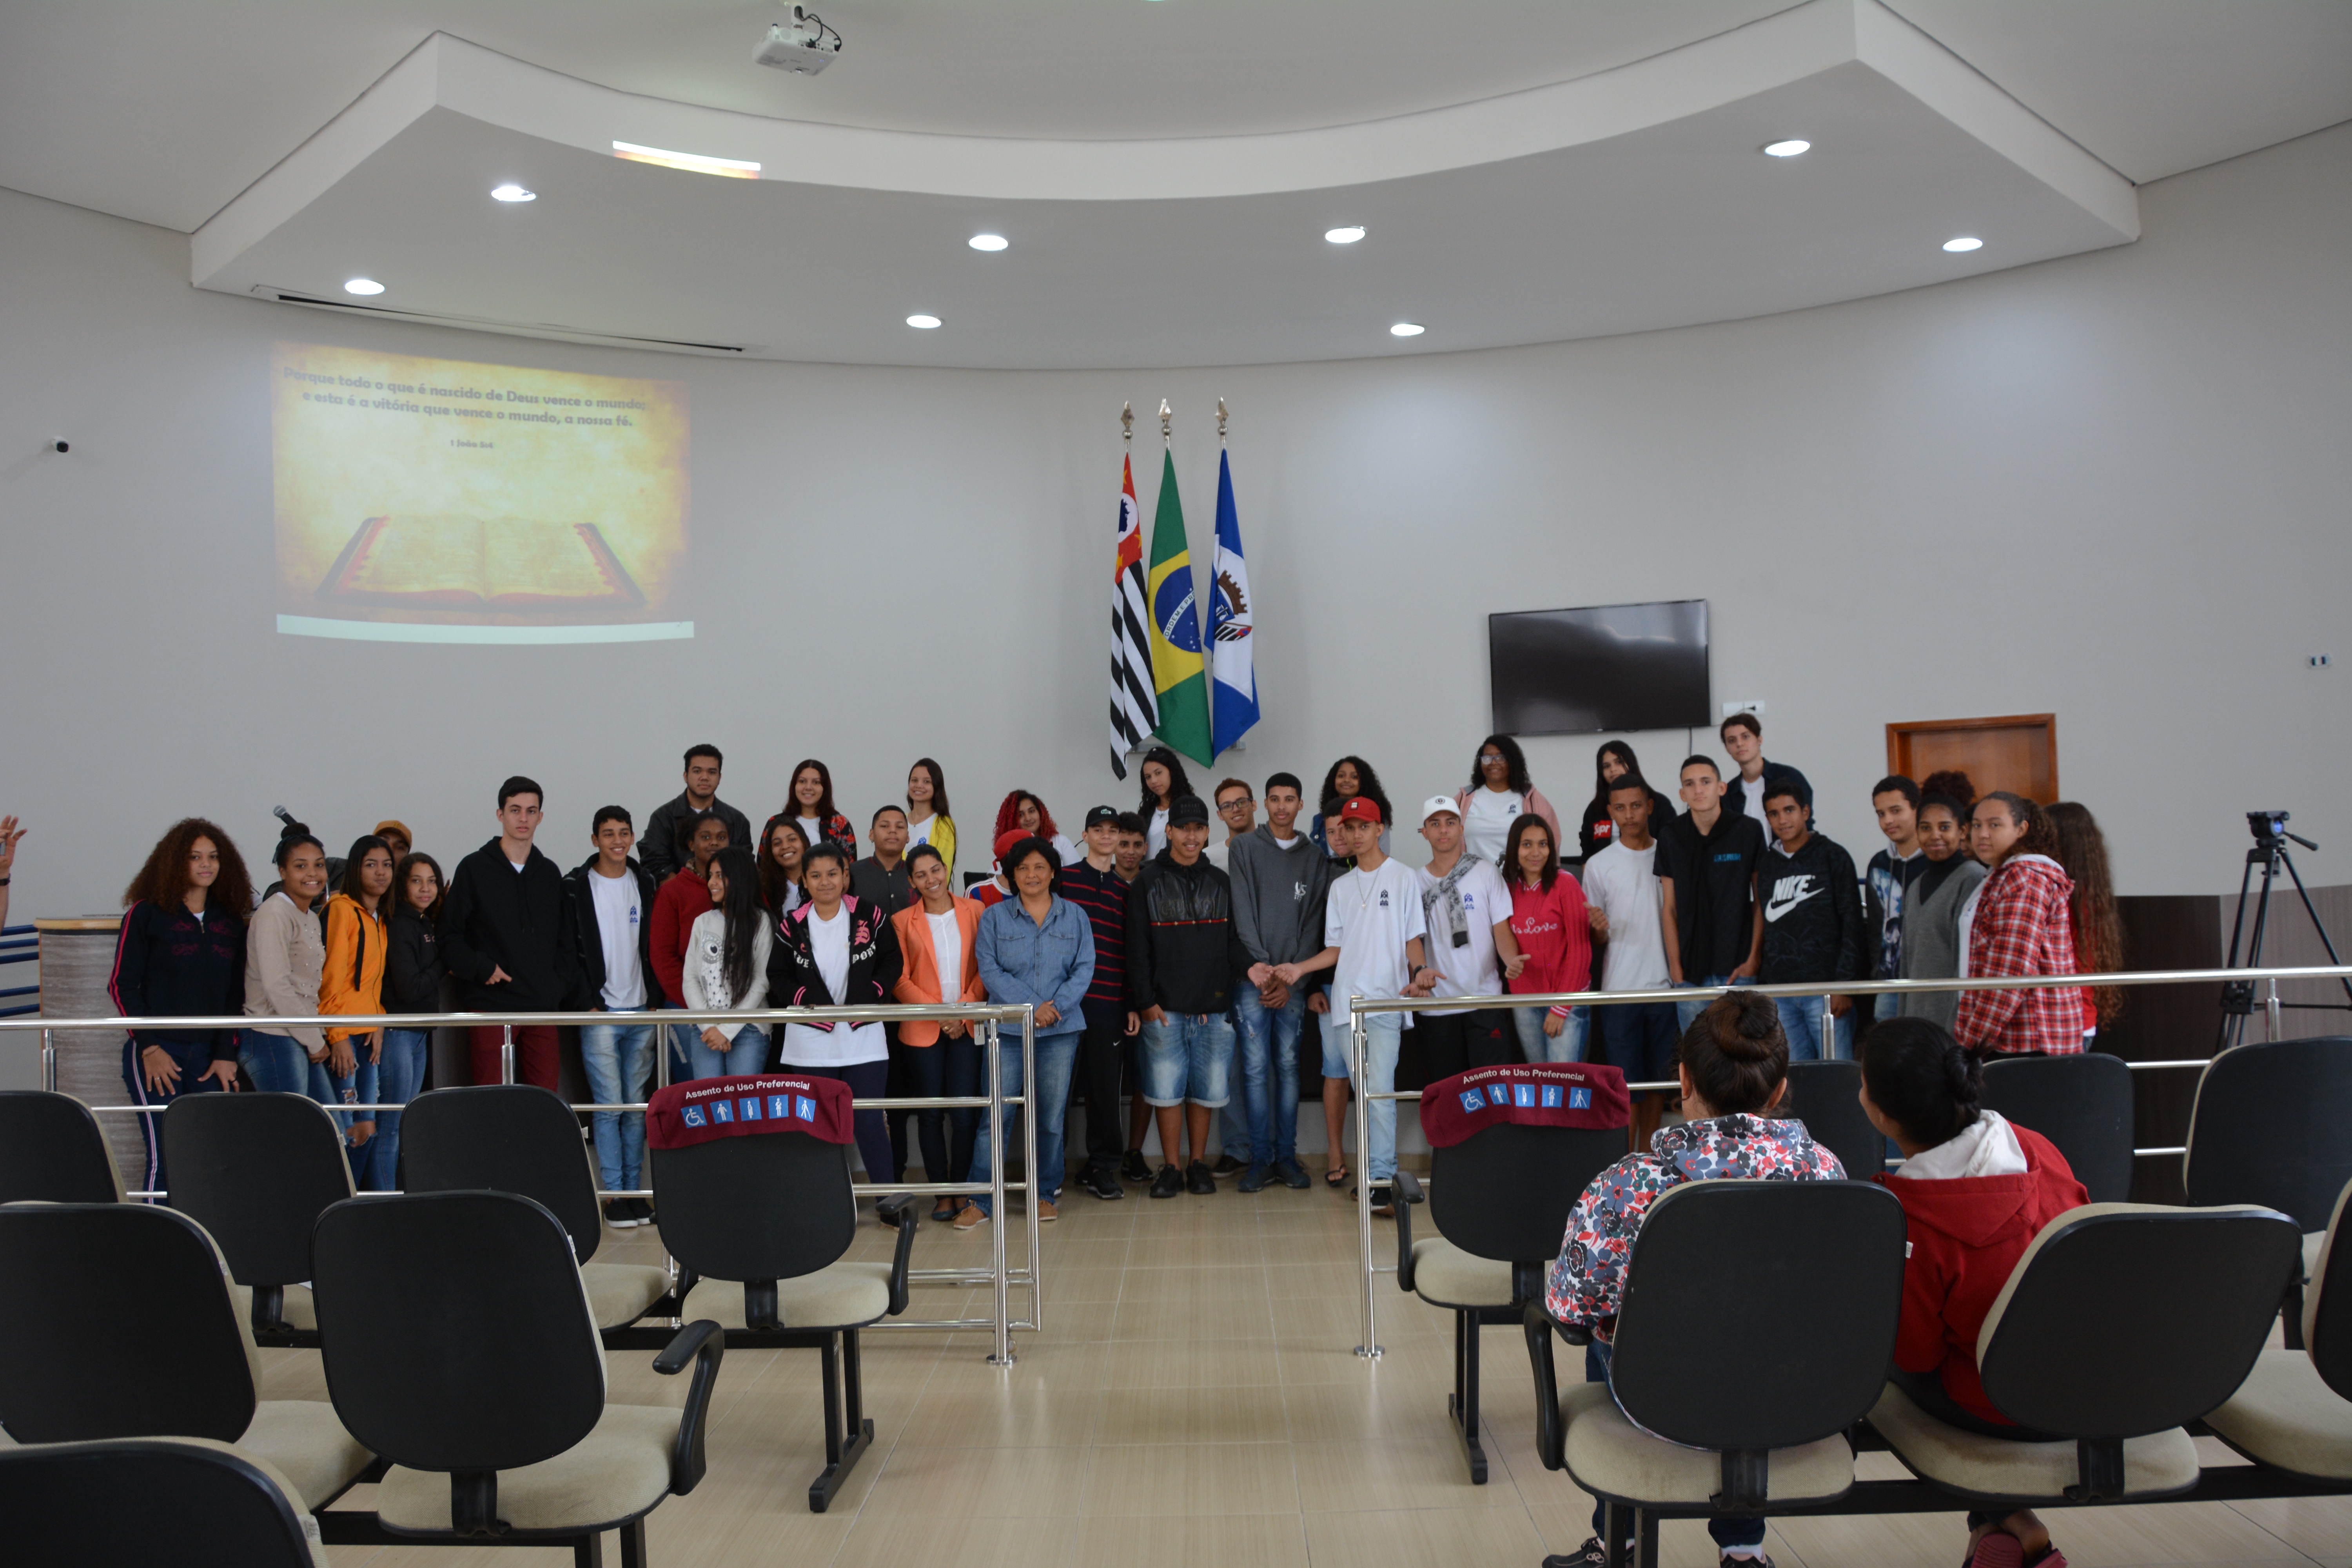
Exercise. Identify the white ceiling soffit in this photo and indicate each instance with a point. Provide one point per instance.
(1630, 199)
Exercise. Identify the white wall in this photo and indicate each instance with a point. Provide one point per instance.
(2112, 487)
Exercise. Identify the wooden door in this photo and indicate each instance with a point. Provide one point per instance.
(2018, 751)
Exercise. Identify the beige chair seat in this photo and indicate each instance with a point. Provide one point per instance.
(838, 1296)
(619, 1293)
(299, 1311)
(1608, 1456)
(1446, 1276)
(2284, 1416)
(303, 1439)
(1973, 1465)
(616, 1473)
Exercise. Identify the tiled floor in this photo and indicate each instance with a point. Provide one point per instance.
(1195, 1403)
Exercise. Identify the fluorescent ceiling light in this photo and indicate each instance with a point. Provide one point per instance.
(988, 242)
(363, 285)
(1347, 235)
(695, 162)
(510, 192)
(1965, 243)
(925, 322)
(1788, 149)
(1407, 330)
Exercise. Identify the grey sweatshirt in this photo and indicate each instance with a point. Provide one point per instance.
(1931, 941)
(285, 953)
(1278, 896)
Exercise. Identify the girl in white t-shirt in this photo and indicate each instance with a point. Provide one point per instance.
(1163, 781)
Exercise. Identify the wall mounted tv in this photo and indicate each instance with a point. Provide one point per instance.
(1605, 667)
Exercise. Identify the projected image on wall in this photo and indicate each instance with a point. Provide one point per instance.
(435, 500)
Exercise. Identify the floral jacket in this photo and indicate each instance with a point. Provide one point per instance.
(1586, 1279)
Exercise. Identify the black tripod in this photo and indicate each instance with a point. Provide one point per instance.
(2270, 852)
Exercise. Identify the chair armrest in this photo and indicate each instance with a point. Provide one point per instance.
(909, 1221)
(704, 1343)
(1407, 1187)
(1550, 1439)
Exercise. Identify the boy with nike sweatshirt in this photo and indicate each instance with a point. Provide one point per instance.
(1813, 926)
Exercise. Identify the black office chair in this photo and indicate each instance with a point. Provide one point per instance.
(2122, 1323)
(1500, 1198)
(458, 1345)
(519, 1138)
(2294, 1411)
(2268, 1128)
(2080, 1103)
(121, 1325)
(52, 1151)
(257, 1171)
(1827, 1098)
(1737, 1424)
(185, 1501)
(758, 1224)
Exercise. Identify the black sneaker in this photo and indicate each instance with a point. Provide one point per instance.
(1103, 1182)
(643, 1209)
(1254, 1180)
(618, 1214)
(1198, 1181)
(1225, 1166)
(1726, 1559)
(1132, 1168)
(1169, 1182)
(1592, 1554)
(1292, 1174)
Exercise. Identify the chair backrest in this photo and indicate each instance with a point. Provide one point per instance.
(503, 1138)
(455, 1330)
(771, 1207)
(2327, 1305)
(2127, 1318)
(52, 1151)
(1504, 1192)
(1760, 1315)
(122, 1327)
(256, 1171)
(2080, 1103)
(193, 1504)
(1827, 1098)
(2268, 1128)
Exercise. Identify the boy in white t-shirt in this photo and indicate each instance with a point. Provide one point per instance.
(1621, 883)
(1372, 929)
(1467, 907)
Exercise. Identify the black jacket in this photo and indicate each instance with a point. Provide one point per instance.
(499, 918)
(1735, 792)
(1183, 951)
(875, 960)
(1714, 878)
(657, 844)
(892, 889)
(413, 969)
(168, 963)
(587, 942)
(1812, 914)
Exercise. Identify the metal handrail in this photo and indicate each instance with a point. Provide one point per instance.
(1359, 1044)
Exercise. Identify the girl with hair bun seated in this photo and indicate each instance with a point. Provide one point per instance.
(1976, 1189)
(1735, 1072)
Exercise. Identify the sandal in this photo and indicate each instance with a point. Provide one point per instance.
(1336, 1178)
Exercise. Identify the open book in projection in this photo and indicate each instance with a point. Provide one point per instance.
(513, 564)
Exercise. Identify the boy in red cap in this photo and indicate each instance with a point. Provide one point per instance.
(996, 891)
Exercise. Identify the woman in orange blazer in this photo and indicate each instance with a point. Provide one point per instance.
(938, 936)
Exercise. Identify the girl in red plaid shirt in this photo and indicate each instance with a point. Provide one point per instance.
(2022, 924)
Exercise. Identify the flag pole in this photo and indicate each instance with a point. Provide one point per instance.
(1165, 439)
(1127, 427)
(1220, 422)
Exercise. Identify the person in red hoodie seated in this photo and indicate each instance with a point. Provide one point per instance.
(1976, 1188)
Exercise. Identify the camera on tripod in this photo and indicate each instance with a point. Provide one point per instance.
(2270, 852)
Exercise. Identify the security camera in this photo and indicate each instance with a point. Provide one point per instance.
(800, 43)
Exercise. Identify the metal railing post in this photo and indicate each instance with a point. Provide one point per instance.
(49, 1060)
(1359, 1052)
(996, 1151)
(1030, 1109)
(506, 1053)
(1828, 1029)
(2273, 1025)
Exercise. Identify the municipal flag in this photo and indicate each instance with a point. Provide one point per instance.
(1176, 665)
(1233, 674)
(1134, 707)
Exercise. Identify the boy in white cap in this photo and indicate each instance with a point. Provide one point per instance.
(1466, 906)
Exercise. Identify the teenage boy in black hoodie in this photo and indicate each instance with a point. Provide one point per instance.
(1182, 958)
(503, 937)
(701, 794)
(608, 909)
(1887, 880)
(1813, 929)
(1706, 862)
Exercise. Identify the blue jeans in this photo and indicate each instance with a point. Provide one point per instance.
(619, 1059)
(1057, 1057)
(398, 1077)
(192, 1058)
(1731, 1531)
(746, 1053)
(279, 1065)
(1384, 1037)
(1188, 1056)
(1686, 1013)
(1568, 1046)
(681, 1038)
(1800, 1020)
(357, 1087)
(1269, 1063)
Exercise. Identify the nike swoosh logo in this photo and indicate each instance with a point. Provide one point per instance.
(1787, 894)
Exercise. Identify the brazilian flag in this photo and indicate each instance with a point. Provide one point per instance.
(1176, 665)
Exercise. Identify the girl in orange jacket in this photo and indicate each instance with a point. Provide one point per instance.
(352, 982)
(939, 938)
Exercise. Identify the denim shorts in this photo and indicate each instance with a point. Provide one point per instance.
(1188, 1056)
(1335, 1047)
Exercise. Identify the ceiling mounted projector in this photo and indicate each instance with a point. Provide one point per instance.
(801, 42)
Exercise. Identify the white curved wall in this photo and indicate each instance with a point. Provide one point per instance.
(2112, 487)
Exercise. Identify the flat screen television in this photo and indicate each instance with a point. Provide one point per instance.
(1603, 667)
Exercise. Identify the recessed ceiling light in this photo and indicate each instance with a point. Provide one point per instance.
(1407, 330)
(510, 192)
(363, 285)
(1347, 235)
(1966, 242)
(925, 322)
(694, 163)
(988, 242)
(1788, 149)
